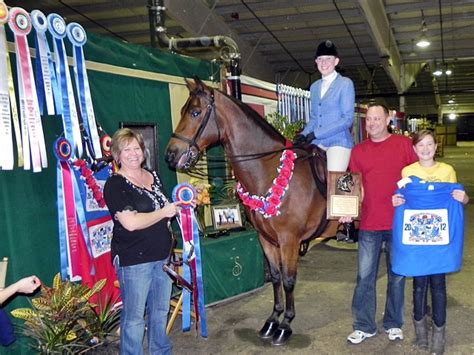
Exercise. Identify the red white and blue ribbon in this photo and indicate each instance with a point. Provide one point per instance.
(72, 132)
(192, 264)
(77, 36)
(6, 140)
(46, 83)
(20, 24)
(73, 234)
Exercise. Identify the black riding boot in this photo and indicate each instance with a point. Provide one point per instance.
(346, 232)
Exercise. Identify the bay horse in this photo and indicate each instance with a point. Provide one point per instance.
(253, 148)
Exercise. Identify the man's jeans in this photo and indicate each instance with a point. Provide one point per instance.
(364, 300)
(144, 285)
(438, 296)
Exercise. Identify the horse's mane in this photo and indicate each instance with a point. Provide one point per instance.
(253, 115)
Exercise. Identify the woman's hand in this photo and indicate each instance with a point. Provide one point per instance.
(27, 284)
(397, 200)
(171, 209)
(460, 195)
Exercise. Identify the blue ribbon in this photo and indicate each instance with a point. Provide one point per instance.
(199, 280)
(64, 263)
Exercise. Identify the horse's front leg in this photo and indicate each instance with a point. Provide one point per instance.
(273, 256)
(289, 260)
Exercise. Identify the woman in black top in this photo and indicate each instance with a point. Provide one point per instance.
(140, 244)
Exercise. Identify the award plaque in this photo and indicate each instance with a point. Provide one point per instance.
(344, 195)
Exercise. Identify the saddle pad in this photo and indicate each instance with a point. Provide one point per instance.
(428, 230)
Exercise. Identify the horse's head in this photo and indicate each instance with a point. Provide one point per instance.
(196, 129)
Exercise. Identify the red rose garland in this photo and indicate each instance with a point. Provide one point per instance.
(88, 176)
(269, 205)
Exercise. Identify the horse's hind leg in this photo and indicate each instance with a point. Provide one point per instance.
(289, 260)
(272, 323)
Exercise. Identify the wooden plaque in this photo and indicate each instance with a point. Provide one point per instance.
(344, 195)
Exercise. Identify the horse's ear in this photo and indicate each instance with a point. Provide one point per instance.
(190, 85)
(199, 83)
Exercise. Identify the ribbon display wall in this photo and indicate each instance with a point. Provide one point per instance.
(77, 36)
(192, 264)
(57, 28)
(6, 140)
(46, 84)
(293, 103)
(32, 130)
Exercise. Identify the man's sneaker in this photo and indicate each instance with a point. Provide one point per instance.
(358, 336)
(394, 334)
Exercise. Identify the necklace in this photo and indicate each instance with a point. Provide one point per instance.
(135, 180)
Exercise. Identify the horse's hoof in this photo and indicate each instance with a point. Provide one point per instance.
(304, 246)
(281, 336)
(268, 330)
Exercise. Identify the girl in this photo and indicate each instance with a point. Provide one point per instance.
(428, 169)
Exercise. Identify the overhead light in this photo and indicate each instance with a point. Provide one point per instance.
(448, 71)
(451, 101)
(423, 42)
(438, 72)
(452, 116)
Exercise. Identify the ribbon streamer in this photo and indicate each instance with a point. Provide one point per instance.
(46, 83)
(57, 28)
(20, 24)
(6, 140)
(77, 36)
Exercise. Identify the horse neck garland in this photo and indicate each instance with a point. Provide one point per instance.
(269, 204)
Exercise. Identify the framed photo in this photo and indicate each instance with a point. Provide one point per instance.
(226, 216)
(148, 131)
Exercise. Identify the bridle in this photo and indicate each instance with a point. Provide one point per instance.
(193, 150)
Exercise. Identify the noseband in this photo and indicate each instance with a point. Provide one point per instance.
(193, 149)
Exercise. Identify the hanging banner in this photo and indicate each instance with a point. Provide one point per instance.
(6, 140)
(20, 24)
(57, 28)
(46, 83)
(77, 36)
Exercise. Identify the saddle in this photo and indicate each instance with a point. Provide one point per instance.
(318, 163)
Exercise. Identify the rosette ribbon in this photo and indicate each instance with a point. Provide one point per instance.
(57, 28)
(32, 130)
(192, 263)
(6, 140)
(77, 36)
(46, 83)
(73, 234)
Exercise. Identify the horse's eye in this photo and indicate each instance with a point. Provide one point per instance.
(194, 114)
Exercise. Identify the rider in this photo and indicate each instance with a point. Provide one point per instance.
(332, 113)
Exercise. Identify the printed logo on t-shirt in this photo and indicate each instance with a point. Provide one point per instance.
(425, 227)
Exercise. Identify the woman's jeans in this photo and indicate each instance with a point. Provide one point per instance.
(438, 297)
(144, 286)
(364, 300)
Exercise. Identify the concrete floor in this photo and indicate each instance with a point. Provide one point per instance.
(323, 295)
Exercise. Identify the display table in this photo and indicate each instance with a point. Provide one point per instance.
(232, 264)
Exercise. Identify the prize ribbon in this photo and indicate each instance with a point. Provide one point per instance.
(6, 140)
(46, 84)
(20, 24)
(185, 194)
(77, 36)
(57, 28)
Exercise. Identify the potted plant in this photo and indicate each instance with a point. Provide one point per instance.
(64, 320)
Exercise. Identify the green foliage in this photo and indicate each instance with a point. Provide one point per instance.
(64, 320)
(282, 125)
